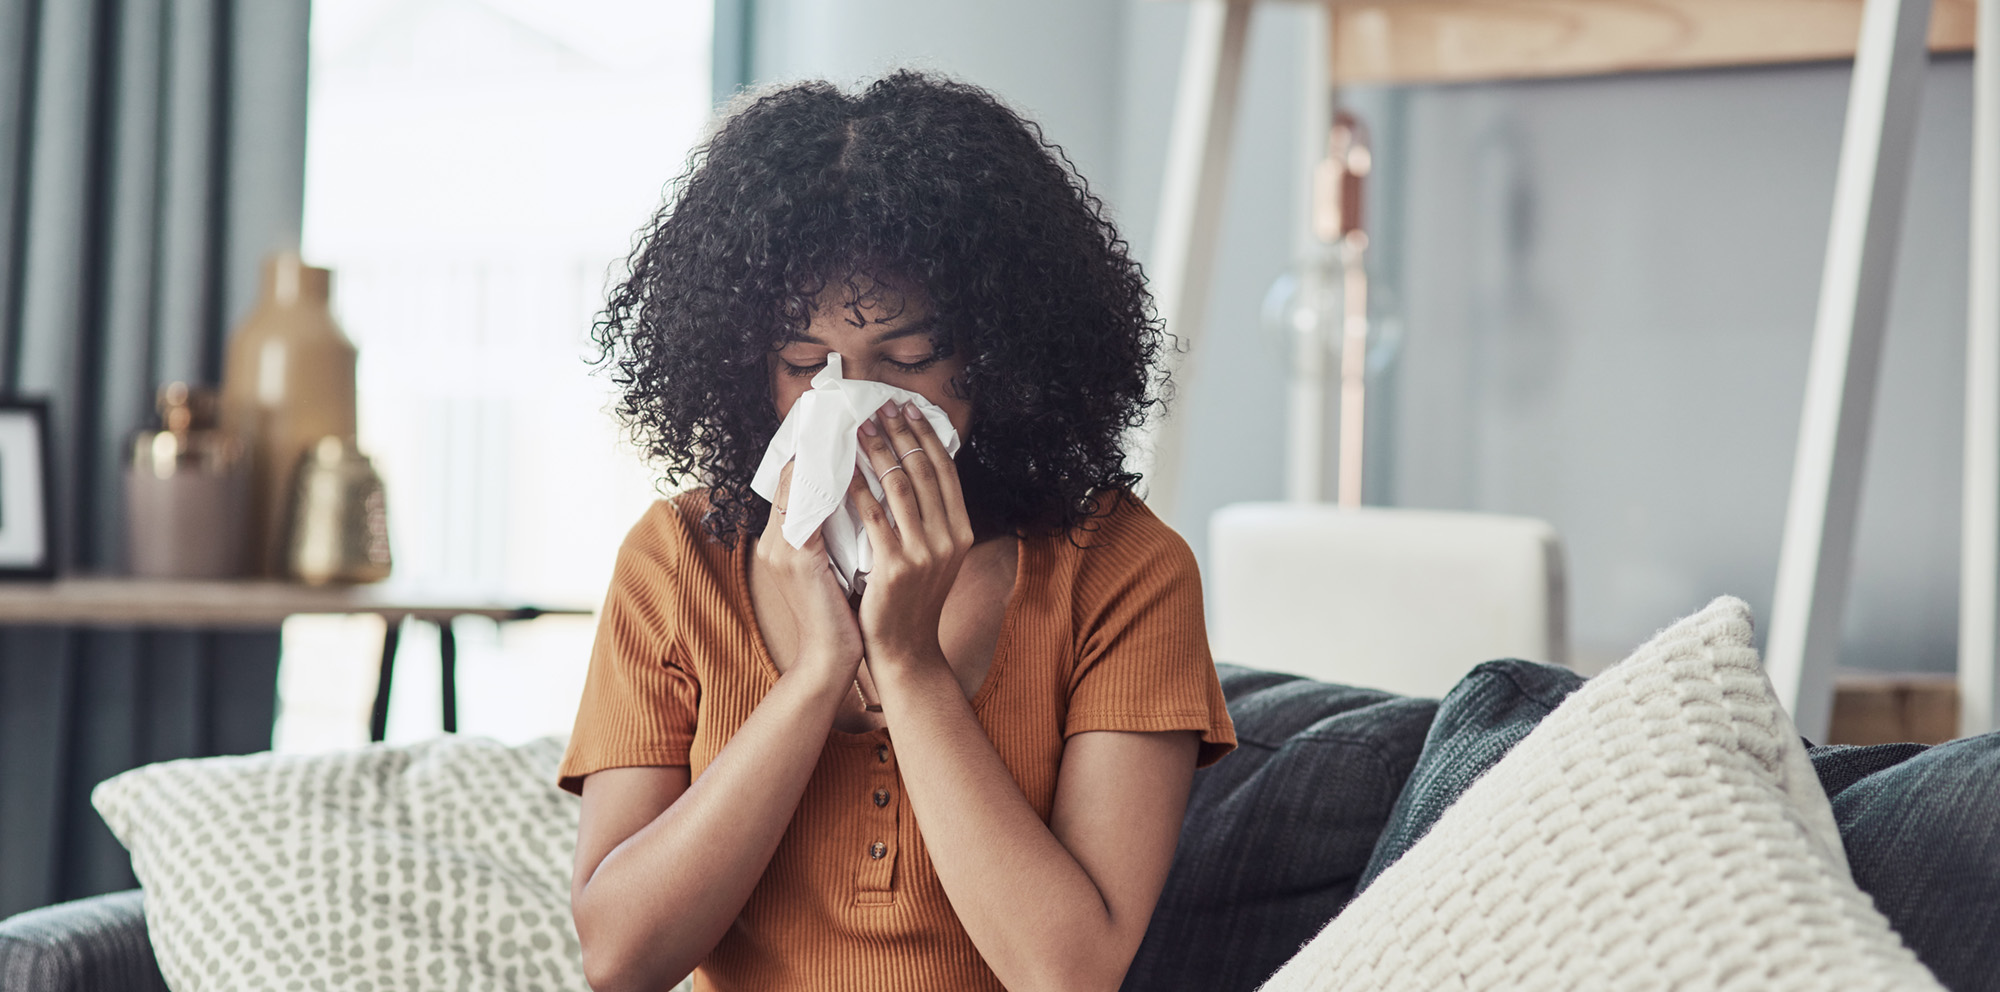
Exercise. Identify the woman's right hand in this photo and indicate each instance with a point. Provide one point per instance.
(829, 633)
(665, 860)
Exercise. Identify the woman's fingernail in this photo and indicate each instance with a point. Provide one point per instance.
(868, 427)
(910, 410)
(890, 409)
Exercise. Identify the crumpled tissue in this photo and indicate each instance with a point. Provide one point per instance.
(817, 436)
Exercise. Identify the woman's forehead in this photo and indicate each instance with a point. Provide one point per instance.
(866, 306)
(865, 296)
(837, 327)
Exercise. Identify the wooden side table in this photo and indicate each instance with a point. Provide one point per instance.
(128, 602)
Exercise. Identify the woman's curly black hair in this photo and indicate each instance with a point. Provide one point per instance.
(922, 182)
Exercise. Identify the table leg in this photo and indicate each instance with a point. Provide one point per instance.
(448, 668)
(378, 715)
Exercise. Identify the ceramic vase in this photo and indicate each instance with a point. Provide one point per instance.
(288, 382)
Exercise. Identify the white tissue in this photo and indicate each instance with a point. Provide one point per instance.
(818, 437)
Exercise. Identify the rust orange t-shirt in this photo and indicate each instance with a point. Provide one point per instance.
(1108, 636)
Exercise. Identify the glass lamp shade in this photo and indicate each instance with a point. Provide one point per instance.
(1307, 312)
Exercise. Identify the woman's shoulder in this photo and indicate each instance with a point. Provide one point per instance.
(673, 530)
(1124, 536)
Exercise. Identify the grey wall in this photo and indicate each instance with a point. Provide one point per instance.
(1604, 290)
(1054, 60)
(1611, 287)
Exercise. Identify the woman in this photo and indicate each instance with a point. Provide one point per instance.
(972, 776)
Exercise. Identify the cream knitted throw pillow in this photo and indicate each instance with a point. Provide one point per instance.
(1662, 829)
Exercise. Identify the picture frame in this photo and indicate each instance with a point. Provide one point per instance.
(27, 524)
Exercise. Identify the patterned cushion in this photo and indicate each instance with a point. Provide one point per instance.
(1661, 829)
(441, 865)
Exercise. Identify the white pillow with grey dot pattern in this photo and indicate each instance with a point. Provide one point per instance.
(436, 866)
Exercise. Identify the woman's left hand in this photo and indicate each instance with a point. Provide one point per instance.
(917, 559)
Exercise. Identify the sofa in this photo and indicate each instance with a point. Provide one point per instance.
(1320, 810)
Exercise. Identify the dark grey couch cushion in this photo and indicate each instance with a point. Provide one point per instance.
(1841, 765)
(90, 945)
(1481, 719)
(1278, 832)
(1923, 838)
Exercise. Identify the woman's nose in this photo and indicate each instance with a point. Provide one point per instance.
(853, 367)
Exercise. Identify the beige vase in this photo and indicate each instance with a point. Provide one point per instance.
(288, 382)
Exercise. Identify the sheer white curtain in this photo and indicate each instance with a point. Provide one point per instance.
(476, 170)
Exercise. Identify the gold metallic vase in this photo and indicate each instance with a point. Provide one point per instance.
(339, 517)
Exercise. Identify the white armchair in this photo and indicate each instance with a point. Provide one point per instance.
(1403, 600)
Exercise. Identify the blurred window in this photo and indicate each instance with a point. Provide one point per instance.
(476, 171)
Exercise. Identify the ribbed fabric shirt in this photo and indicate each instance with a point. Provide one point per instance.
(1106, 636)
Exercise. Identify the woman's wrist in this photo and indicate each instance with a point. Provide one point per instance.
(895, 668)
(823, 674)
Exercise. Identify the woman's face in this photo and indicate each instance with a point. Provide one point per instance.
(881, 333)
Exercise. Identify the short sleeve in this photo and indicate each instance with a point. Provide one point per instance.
(1142, 660)
(638, 705)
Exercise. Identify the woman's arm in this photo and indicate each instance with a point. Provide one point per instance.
(663, 866)
(1056, 906)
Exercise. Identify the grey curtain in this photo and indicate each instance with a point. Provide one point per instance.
(731, 49)
(151, 152)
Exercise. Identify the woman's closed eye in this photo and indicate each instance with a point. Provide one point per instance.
(915, 365)
(910, 367)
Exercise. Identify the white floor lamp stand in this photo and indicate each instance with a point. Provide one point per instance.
(1817, 556)
(1979, 563)
(1190, 214)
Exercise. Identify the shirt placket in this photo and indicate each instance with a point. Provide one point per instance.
(876, 880)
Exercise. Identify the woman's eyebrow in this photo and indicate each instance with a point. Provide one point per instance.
(925, 326)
